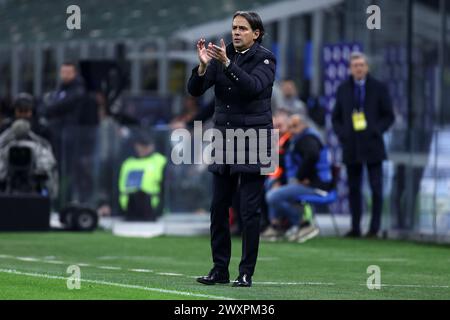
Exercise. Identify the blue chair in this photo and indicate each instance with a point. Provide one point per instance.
(324, 197)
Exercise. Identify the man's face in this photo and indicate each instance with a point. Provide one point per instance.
(296, 125)
(288, 89)
(243, 35)
(359, 68)
(143, 150)
(281, 122)
(23, 113)
(67, 73)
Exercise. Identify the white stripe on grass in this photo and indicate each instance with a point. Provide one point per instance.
(140, 270)
(115, 284)
(31, 259)
(109, 268)
(82, 264)
(170, 274)
(27, 259)
(53, 261)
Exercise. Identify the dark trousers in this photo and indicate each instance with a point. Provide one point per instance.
(251, 193)
(354, 174)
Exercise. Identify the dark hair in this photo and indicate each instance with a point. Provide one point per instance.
(23, 101)
(70, 64)
(143, 138)
(254, 20)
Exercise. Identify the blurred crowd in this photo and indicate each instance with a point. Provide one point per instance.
(71, 124)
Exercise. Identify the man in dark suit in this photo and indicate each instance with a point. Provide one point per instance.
(363, 112)
(243, 74)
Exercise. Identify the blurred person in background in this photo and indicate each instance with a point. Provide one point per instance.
(65, 105)
(281, 123)
(363, 112)
(141, 181)
(317, 111)
(24, 108)
(73, 115)
(308, 171)
(290, 100)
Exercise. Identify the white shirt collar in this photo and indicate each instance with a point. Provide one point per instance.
(361, 82)
(242, 52)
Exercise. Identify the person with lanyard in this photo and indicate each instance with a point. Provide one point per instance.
(362, 114)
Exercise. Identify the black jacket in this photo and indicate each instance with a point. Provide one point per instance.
(68, 106)
(364, 146)
(309, 148)
(243, 94)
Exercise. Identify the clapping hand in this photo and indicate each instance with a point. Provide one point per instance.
(202, 52)
(216, 52)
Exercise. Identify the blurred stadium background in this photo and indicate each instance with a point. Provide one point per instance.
(140, 54)
(152, 44)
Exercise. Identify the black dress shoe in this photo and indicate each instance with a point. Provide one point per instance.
(213, 277)
(353, 234)
(244, 280)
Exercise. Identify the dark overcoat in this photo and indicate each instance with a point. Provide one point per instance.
(363, 146)
(243, 94)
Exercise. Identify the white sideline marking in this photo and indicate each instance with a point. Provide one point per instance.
(140, 270)
(109, 268)
(53, 261)
(82, 264)
(30, 259)
(392, 260)
(27, 259)
(170, 274)
(115, 284)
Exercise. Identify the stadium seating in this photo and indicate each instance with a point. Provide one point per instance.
(322, 199)
(39, 21)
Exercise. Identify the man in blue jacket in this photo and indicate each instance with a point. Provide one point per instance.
(308, 171)
(243, 74)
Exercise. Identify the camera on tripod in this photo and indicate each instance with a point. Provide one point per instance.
(21, 176)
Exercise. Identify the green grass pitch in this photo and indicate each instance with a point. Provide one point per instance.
(34, 266)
